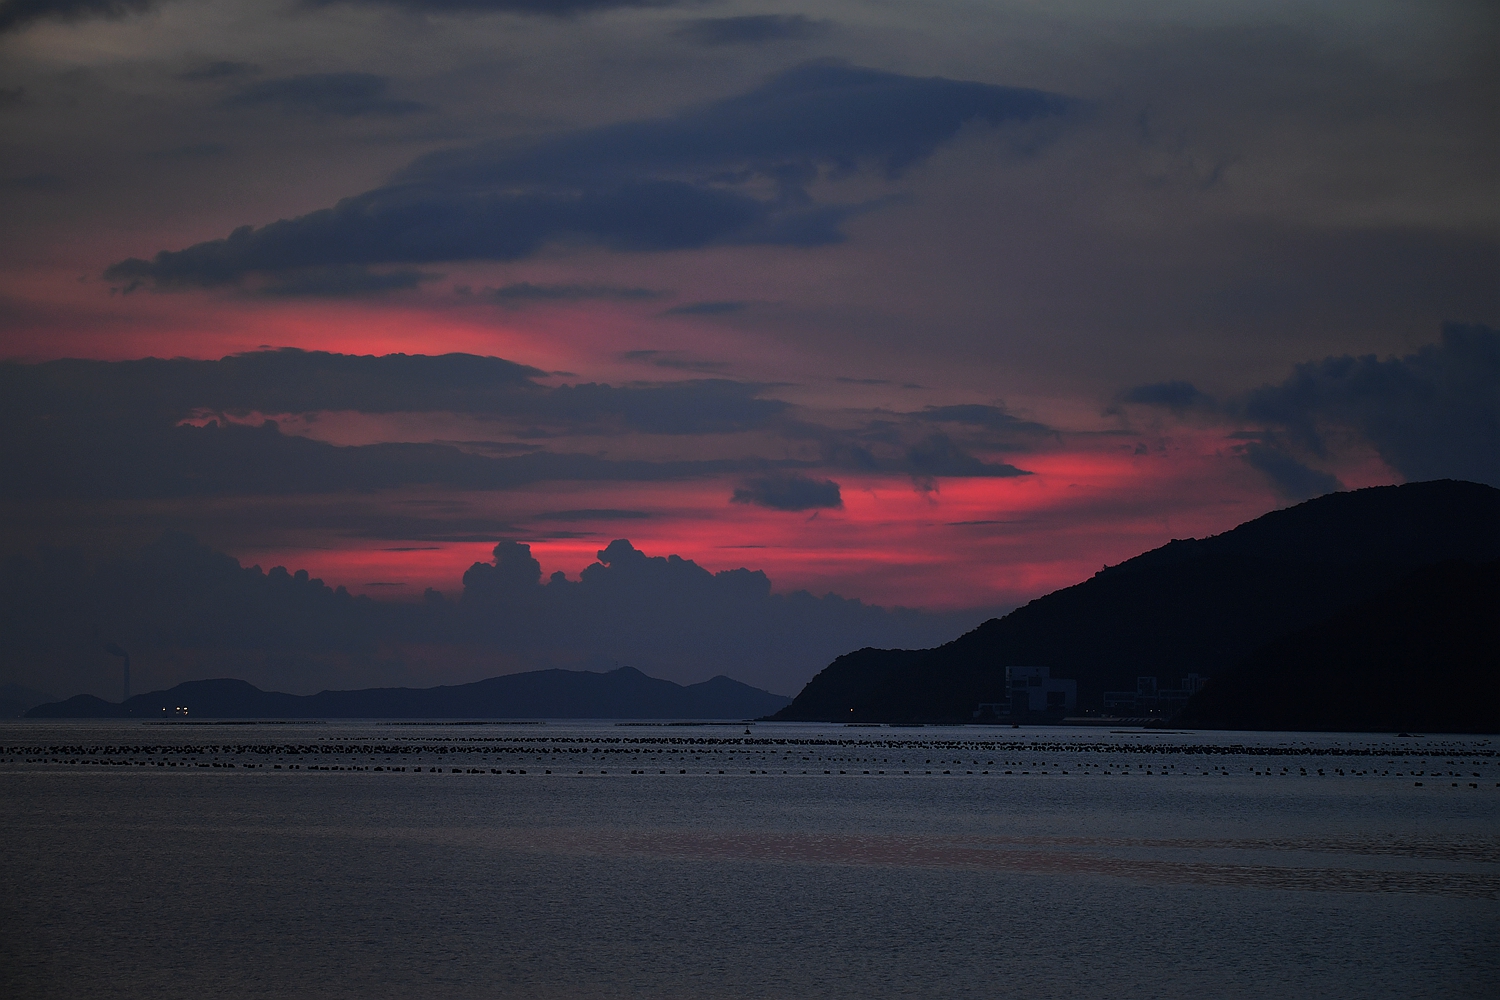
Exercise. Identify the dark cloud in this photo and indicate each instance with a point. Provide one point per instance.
(17, 14)
(154, 394)
(992, 418)
(665, 607)
(526, 293)
(11, 97)
(187, 591)
(144, 460)
(221, 69)
(94, 428)
(342, 281)
(423, 224)
(179, 605)
(179, 427)
(345, 95)
(735, 171)
(1434, 414)
(281, 381)
(513, 570)
(1177, 396)
(791, 492)
(899, 448)
(752, 29)
(705, 309)
(937, 455)
(811, 116)
(534, 8)
(1292, 479)
(113, 432)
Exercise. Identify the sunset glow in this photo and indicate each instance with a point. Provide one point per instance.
(941, 326)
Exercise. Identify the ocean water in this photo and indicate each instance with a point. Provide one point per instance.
(573, 860)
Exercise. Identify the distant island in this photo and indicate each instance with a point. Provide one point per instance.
(1368, 610)
(624, 693)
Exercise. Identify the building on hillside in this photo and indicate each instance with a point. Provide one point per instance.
(1033, 692)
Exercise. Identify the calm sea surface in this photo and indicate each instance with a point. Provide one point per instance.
(573, 860)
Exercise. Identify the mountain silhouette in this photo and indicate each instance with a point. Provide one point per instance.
(624, 693)
(15, 699)
(1423, 655)
(1191, 606)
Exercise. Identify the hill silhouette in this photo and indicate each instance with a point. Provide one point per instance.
(624, 693)
(15, 699)
(1191, 606)
(1422, 656)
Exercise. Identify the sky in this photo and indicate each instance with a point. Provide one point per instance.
(933, 305)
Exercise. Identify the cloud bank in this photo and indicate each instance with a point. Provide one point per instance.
(790, 492)
(184, 610)
(738, 171)
(182, 427)
(1433, 414)
(18, 14)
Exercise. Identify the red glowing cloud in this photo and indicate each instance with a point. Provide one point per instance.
(971, 543)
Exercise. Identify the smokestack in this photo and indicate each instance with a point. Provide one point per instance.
(114, 650)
